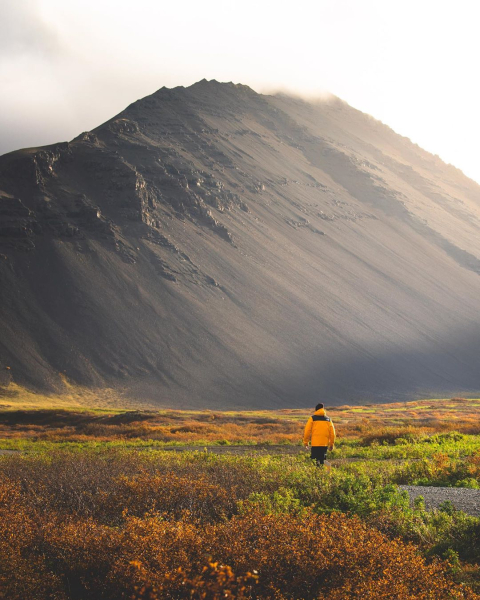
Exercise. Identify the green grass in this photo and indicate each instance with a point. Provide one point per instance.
(455, 445)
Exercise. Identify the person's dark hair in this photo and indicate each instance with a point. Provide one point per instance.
(319, 406)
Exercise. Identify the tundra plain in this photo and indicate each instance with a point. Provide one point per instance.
(111, 503)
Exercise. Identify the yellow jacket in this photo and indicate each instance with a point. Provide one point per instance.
(319, 430)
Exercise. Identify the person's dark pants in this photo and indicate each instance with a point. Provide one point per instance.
(319, 454)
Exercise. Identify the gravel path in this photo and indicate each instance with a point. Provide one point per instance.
(462, 498)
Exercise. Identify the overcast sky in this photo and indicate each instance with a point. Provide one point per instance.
(68, 65)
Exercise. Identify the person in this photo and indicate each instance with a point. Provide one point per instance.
(320, 432)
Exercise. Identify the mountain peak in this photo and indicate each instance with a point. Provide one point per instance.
(214, 84)
(211, 246)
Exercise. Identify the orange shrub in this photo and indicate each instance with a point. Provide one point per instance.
(175, 495)
(256, 556)
(117, 526)
(23, 571)
(473, 465)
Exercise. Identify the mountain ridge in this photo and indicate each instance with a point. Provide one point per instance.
(212, 246)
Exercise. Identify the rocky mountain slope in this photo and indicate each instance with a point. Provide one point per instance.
(211, 246)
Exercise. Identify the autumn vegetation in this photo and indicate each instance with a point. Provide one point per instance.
(114, 504)
(27, 415)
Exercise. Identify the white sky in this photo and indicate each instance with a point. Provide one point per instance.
(68, 65)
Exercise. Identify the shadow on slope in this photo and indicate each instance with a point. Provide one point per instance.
(449, 366)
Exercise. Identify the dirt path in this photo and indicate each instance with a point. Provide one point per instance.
(233, 449)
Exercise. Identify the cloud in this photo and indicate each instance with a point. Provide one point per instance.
(23, 31)
(68, 65)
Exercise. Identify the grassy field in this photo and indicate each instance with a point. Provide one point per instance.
(114, 503)
(72, 397)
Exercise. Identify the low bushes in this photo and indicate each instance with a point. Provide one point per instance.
(111, 525)
(252, 555)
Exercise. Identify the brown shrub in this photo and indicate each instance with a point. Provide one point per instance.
(120, 526)
(175, 495)
(23, 570)
(296, 557)
(389, 435)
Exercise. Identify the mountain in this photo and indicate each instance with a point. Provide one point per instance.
(214, 247)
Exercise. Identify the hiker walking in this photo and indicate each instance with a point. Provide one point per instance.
(320, 431)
